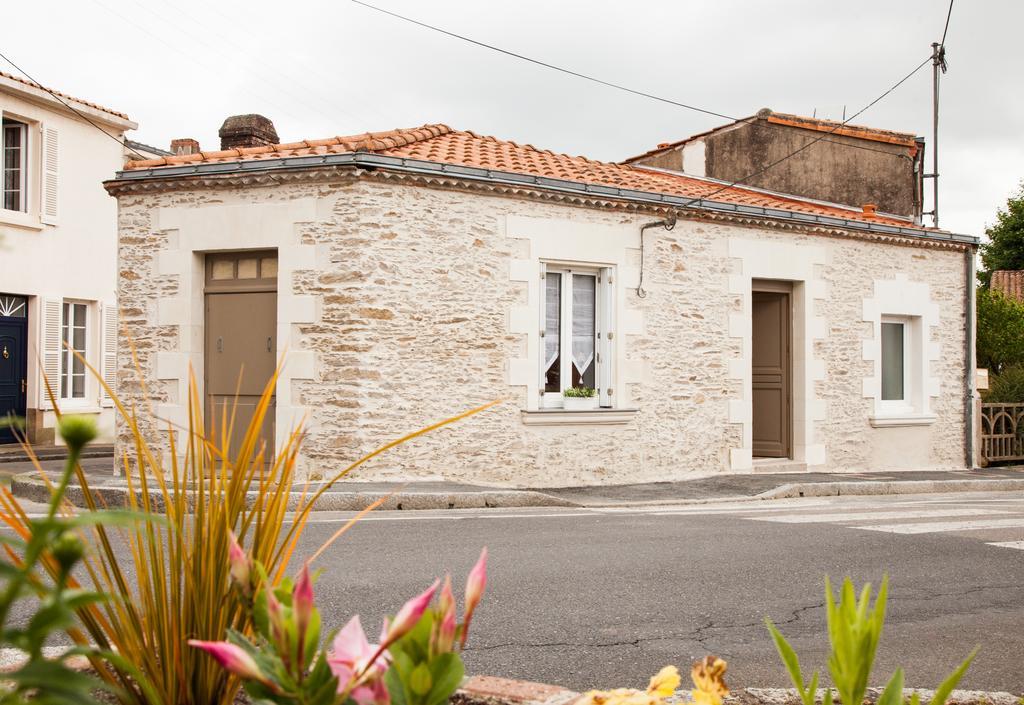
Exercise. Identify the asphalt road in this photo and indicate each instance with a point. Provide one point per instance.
(604, 598)
(589, 599)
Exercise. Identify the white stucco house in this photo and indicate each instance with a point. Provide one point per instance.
(415, 273)
(58, 254)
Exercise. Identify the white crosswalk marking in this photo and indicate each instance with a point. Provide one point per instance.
(839, 518)
(941, 526)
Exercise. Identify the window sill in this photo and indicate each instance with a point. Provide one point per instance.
(593, 417)
(20, 219)
(895, 420)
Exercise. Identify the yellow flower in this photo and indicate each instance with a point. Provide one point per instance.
(665, 683)
(708, 679)
(662, 685)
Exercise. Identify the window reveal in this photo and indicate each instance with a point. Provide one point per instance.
(576, 327)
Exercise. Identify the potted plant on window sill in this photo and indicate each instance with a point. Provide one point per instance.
(580, 399)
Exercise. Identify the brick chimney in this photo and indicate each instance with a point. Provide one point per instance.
(185, 145)
(247, 131)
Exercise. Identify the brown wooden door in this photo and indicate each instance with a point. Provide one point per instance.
(770, 374)
(241, 345)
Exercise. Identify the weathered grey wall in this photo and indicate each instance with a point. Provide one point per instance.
(415, 294)
(827, 171)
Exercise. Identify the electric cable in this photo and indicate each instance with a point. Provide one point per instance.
(37, 84)
(754, 122)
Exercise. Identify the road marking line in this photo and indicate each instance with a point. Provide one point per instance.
(1019, 545)
(942, 526)
(868, 516)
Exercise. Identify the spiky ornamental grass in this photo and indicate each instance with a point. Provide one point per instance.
(173, 584)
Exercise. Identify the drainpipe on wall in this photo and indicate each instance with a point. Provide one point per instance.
(668, 224)
(969, 361)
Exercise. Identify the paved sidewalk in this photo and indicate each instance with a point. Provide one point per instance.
(348, 495)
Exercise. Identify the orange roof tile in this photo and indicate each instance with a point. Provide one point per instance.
(65, 96)
(440, 143)
(1010, 282)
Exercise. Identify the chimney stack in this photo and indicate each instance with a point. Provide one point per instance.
(247, 131)
(185, 145)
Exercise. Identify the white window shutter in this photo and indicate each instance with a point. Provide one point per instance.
(108, 365)
(49, 203)
(50, 345)
(606, 339)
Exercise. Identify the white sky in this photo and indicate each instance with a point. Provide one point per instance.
(319, 69)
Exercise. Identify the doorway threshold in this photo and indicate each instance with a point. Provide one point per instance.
(778, 465)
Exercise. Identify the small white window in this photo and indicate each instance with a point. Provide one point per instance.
(74, 328)
(899, 367)
(14, 178)
(576, 314)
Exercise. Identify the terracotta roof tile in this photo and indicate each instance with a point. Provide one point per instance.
(1010, 282)
(65, 96)
(440, 143)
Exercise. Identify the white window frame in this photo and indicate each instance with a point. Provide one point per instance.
(23, 167)
(911, 368)
(603, 323)
(67, 355)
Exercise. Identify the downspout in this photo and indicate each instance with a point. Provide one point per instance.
(668, 224)
(969, 351)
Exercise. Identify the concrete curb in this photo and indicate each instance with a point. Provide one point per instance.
(488, 690)
(873, 487)
(31, 487)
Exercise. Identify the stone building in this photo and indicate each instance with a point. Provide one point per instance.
(410, 275)
(831, 161)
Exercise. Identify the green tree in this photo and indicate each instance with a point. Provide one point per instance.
(1000, 330)
(1005, 248)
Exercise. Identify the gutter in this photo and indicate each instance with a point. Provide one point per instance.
(371, 160)
(969, 362)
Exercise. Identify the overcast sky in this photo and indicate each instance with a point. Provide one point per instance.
(319, 69)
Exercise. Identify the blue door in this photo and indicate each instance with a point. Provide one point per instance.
(13, 365)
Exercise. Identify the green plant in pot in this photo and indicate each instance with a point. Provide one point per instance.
(580, 398)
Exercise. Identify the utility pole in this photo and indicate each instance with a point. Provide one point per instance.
(938, 64)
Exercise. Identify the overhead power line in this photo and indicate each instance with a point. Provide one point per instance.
(949, 13)
(760, 171)
(37, 84)
(600, 81)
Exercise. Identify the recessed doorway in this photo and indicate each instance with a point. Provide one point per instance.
(241, 340)
(772, 369)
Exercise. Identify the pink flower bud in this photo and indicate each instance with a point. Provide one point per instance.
(232, 658)
(475, 584)
(446, 602)
(240, 565)
(410, 614)
(275, 615)
(302, 603)
(446, 633)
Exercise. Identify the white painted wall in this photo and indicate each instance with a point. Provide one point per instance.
(77, 257)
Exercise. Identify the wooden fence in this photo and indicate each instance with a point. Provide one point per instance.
(1002, 432)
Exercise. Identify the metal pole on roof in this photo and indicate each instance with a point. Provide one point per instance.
(938, 64)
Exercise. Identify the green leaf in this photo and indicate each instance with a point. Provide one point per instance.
(420, 680)
(893, 693)
(947, 686)
(396, 686)
(447, 671)
(113, 517)
(788, 656)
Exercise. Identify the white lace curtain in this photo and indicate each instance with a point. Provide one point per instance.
(552, 316)
(583, 321)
